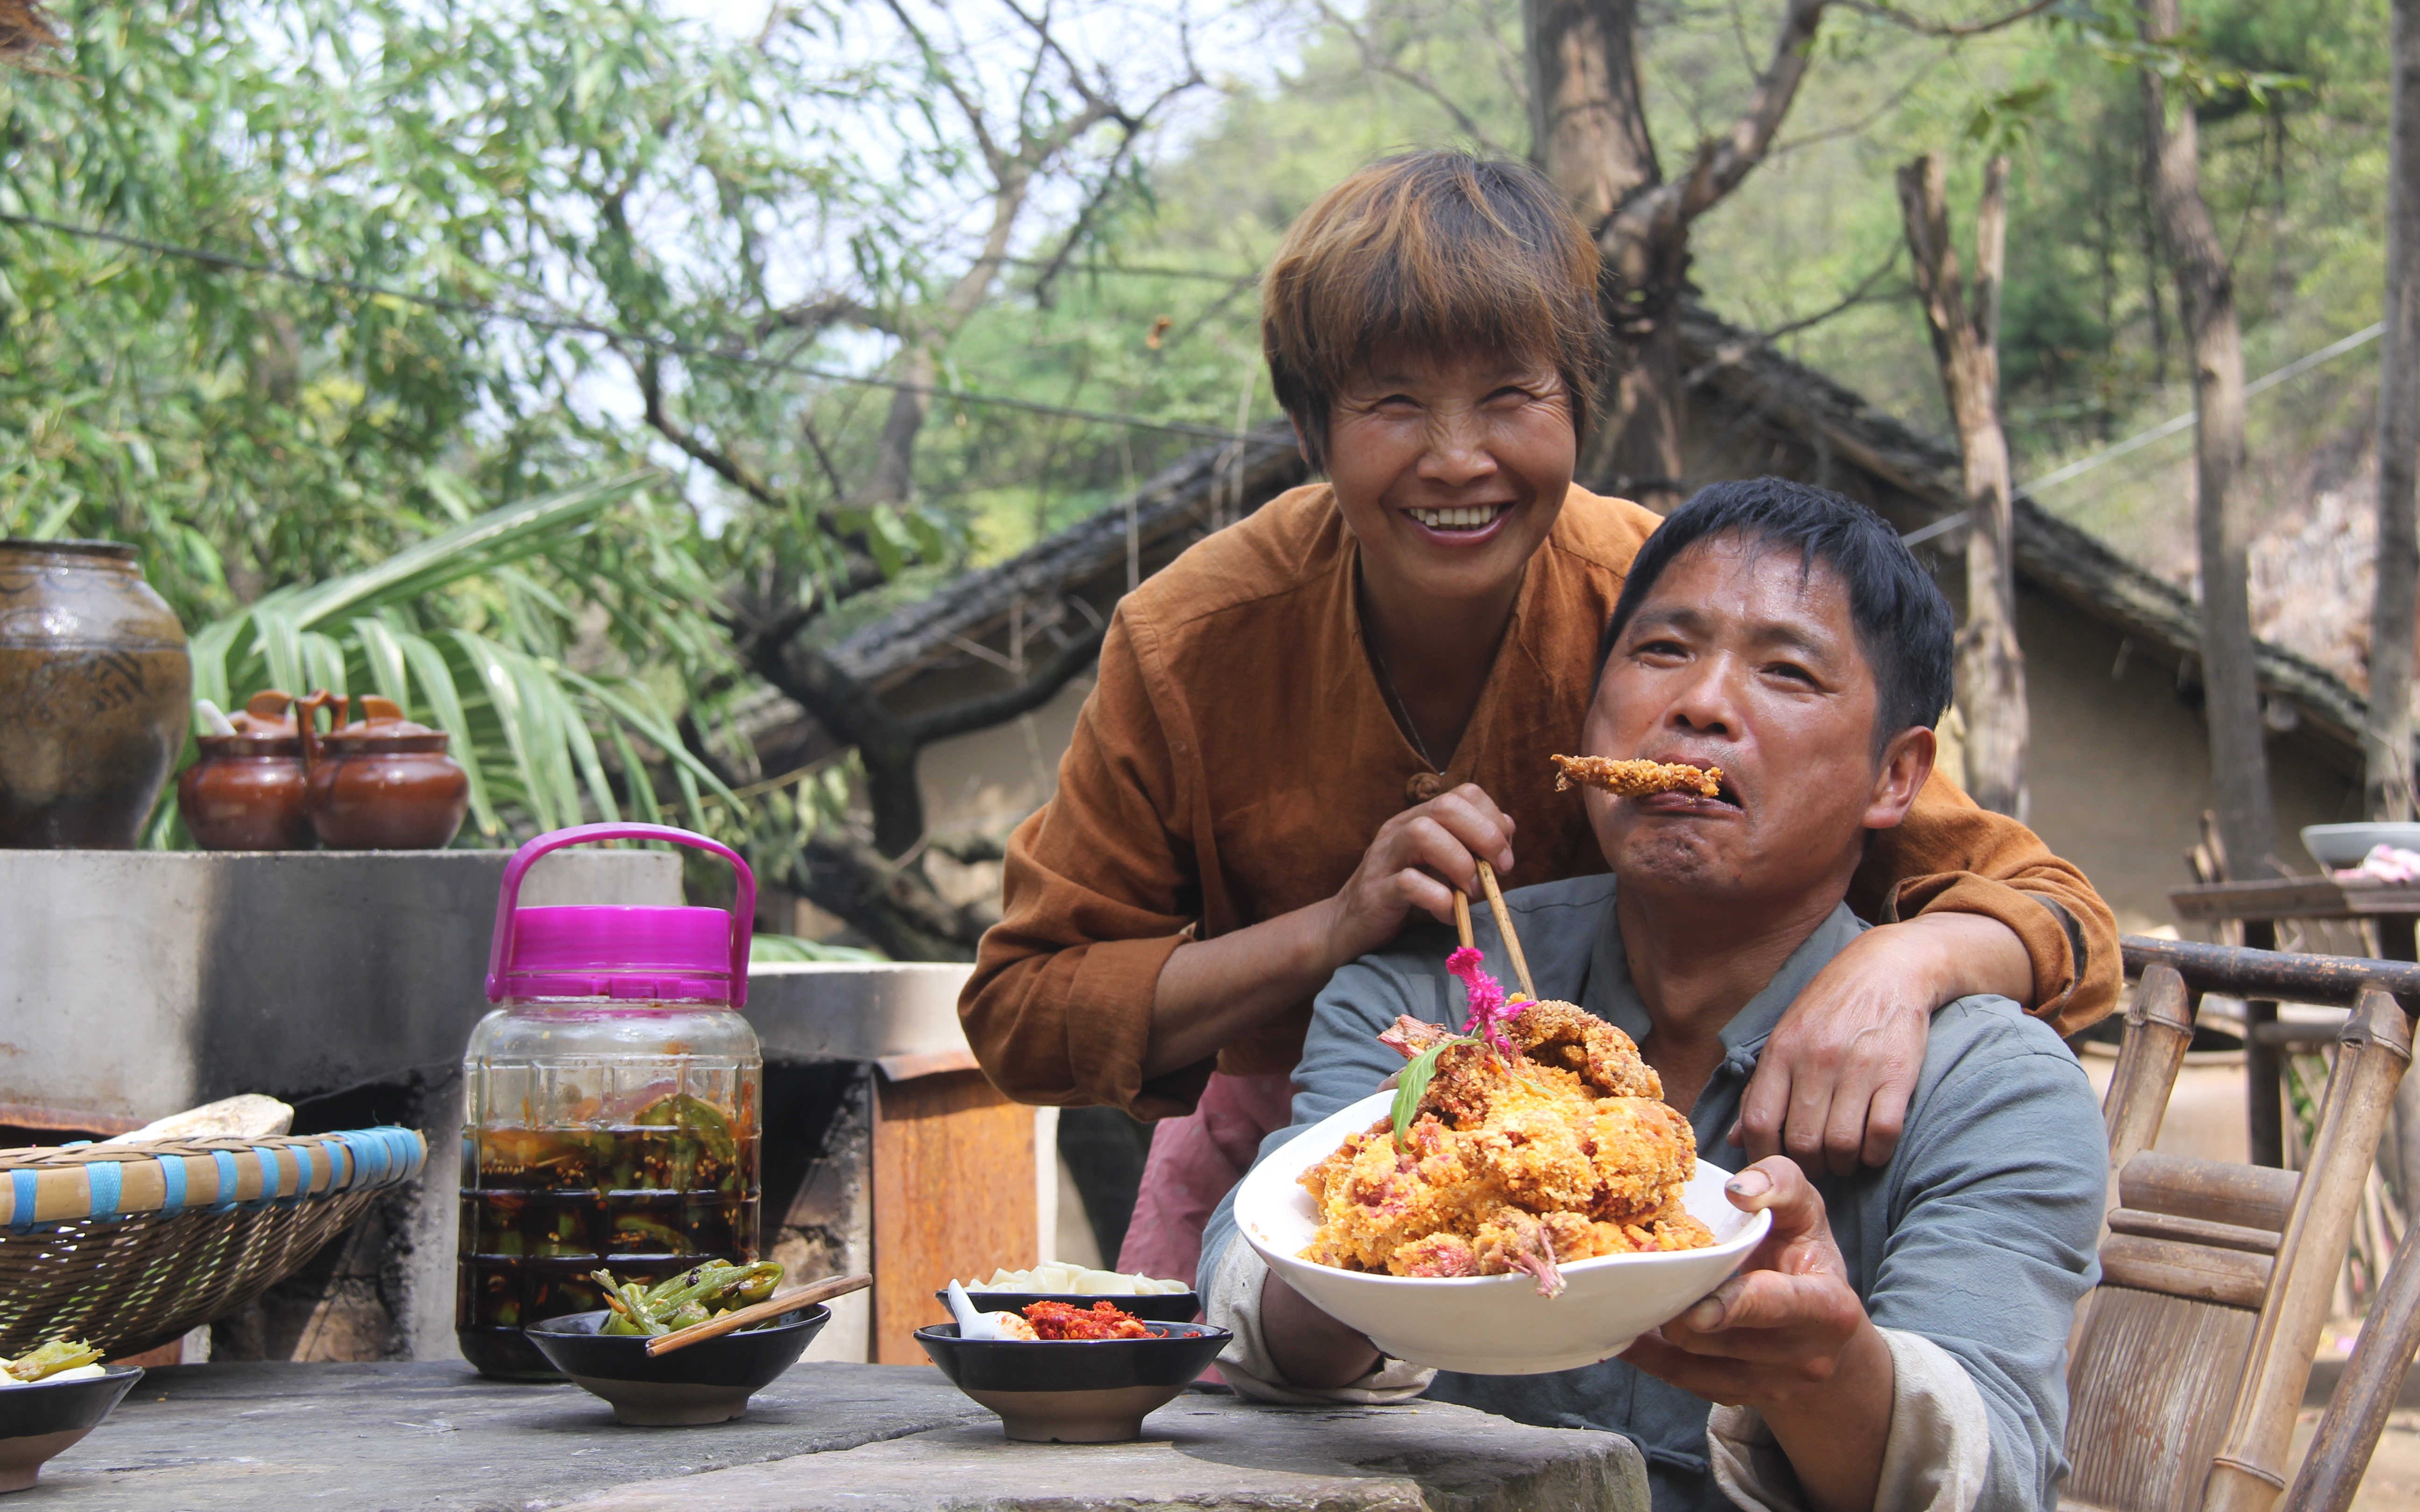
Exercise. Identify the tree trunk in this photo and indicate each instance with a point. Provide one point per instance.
(2239, 758)
(1588, 122)
(1588, 119)
(1591, 139)
(1965, 346)
(2386, 741)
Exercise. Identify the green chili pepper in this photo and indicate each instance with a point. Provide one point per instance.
(689, 1296)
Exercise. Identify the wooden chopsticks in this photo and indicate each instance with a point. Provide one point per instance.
(774, 1306)
(1503, 926)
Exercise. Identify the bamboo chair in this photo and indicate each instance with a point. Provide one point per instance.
(2188, 1362)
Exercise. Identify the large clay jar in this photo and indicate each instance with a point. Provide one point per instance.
(381, 783)
(95, 691)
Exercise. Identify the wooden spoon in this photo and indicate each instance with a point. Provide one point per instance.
(773, 1307)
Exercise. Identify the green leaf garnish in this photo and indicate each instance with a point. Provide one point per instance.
(1416, 1074)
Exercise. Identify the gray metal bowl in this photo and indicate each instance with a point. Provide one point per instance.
(2335, 846)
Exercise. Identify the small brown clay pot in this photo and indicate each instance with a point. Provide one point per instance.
(246, 794)
(382, 783)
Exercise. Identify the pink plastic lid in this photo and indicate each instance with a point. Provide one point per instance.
(620, 951)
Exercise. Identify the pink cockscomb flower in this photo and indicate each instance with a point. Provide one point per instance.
(1489, 1011)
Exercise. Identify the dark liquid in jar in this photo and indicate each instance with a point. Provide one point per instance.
(542, 1208)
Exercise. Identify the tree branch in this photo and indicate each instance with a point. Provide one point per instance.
(1375, 59)
(693, 741)
(1732, 352)
(713, 459)
(971, 850)
(1726, 159)
(814, 317)
(1990, 256)
(893, 905)
(823, 457)
(1865, 123)
(936, 67)
(1092, 202)
(853, 714)
(1922, 27)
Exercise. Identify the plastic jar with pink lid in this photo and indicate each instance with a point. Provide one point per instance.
(613, 1104)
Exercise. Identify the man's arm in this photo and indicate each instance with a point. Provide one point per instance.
(1832, 1088)
(2001, 1196)
(1993, 1209)
(1787, 1337)
(1984, 908)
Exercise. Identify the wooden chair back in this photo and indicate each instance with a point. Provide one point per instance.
(2189, 1360)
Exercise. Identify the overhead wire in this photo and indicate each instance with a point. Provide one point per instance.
(1207, 275)
(575, 325)
(2171, 426)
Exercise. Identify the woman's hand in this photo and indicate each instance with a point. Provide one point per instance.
(1787, 1337)
(1831, 1090)
(1211, 991)
(1444, 837)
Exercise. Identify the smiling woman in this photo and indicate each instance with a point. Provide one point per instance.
(1319, 719)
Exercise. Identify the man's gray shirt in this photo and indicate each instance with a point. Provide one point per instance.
(1979, 1235)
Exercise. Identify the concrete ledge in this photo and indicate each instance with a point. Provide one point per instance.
(141, 982)
(903, 1013)
(360, 1438)
(1201, 1453)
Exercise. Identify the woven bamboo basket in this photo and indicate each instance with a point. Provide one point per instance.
(128, 1247)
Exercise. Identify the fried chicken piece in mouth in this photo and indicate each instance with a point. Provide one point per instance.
(1636, 778)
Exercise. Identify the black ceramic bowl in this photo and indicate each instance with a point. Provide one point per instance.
(39, 1421)
(1087, 1390)
(1162, 1307)
(709, 1382)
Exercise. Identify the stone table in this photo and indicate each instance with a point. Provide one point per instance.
(367, 1438)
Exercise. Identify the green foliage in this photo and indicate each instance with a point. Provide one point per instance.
(521, 716)
(310, 470)
(807, 196)
(768, 948)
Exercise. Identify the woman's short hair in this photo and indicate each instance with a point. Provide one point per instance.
(1430, 252)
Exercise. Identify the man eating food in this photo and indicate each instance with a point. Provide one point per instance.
(1898, 1341)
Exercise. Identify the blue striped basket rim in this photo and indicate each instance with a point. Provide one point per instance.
(288, 1170)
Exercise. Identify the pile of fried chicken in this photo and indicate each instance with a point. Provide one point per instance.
(1561, 1150)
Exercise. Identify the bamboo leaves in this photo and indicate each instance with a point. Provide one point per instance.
(524, 722)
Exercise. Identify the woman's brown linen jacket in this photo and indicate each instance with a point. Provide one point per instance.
(1236, 758)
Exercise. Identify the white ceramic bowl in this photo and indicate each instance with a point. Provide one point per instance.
(1488, 1325)
(2341, 845)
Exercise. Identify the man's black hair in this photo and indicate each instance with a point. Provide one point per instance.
(1903, 625)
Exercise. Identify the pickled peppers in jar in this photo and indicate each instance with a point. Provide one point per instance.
(613, 1105)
